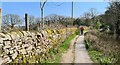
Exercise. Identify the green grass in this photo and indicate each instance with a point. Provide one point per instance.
(99, 57)
(64, 46)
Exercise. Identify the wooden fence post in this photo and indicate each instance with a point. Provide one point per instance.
(26, 22)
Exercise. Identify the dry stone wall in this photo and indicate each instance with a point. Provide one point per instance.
(29, 47)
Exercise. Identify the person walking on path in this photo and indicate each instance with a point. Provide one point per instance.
(81, 30)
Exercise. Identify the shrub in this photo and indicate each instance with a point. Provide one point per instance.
(104, 43)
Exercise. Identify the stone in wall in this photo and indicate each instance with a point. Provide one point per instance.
(7, 43)
(23, 51)
(15, 36)
(14, 55)
(1, 50)
(11, 51)
(19, 43)
(24, 33)
(7, 37)
(6, 47)
(20, 34)
(7, 59)
(2, 35)
(29, 34)
(1, 41)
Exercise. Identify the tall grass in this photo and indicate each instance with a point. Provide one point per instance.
(103, 48)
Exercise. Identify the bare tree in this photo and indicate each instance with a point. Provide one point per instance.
(93, 12)
(38, 22)
(91, 16)
(42, 4)
(54, 18)
(11, 20)
(31, 20)
(86, 15)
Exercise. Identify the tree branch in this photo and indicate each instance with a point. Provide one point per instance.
(42, 5)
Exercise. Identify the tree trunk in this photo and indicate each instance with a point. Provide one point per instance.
(0, 19)
(117, 29)
(12, 26)
(42, 16)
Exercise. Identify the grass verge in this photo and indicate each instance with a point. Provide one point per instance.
(64, 46)
(99, 57)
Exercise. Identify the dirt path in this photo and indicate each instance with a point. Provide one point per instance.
(81, 54)
(68, 56)
(77, 54)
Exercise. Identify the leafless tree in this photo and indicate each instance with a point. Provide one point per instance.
(11, 20)
(42, 4)
(90, 16)
(38, 23)
(54, 18)
(86, 15)
(93, 12)
(31, 20)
